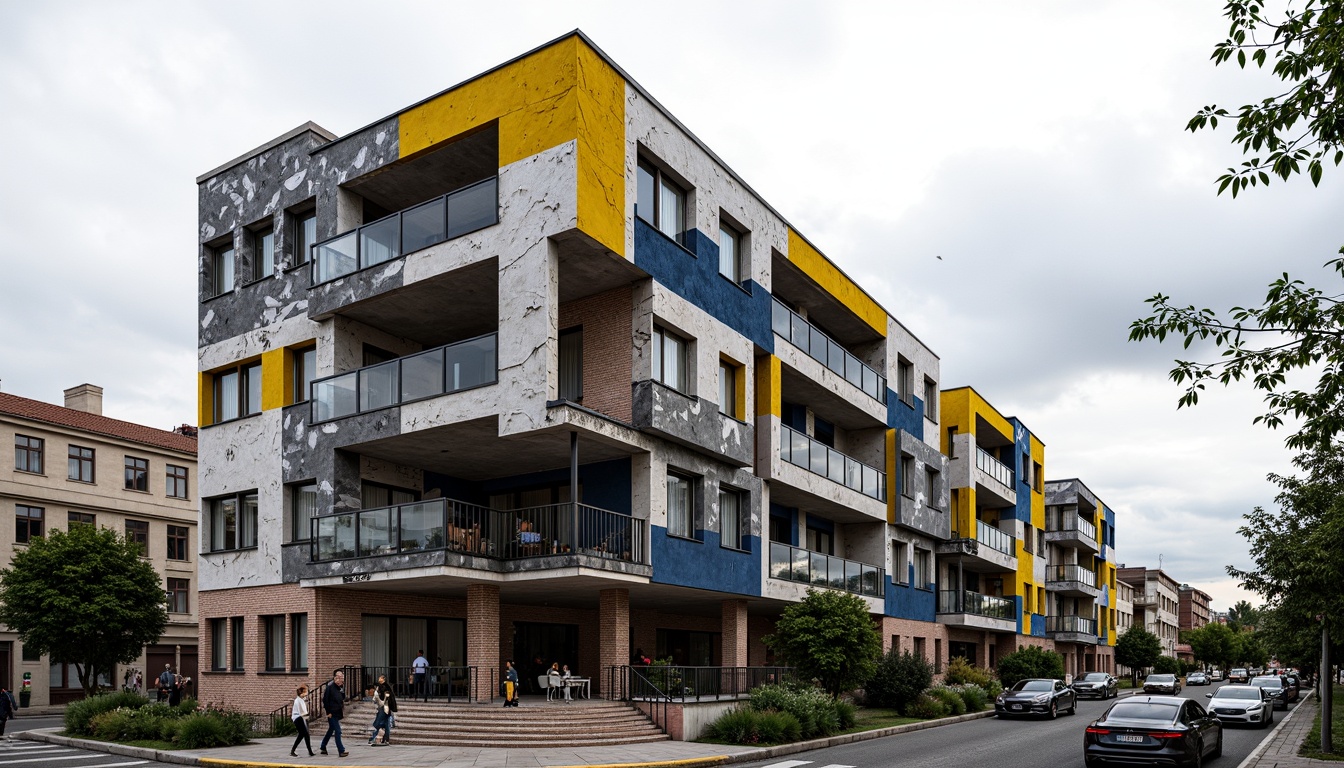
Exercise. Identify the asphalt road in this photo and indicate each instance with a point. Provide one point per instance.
(36, 754)
(994, 743)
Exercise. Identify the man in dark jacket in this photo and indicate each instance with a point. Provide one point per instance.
(333, 701)
(7, 708)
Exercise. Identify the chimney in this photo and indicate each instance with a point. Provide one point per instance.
(85, 397)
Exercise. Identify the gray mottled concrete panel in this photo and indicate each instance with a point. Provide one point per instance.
(924, 508)
(693, 422)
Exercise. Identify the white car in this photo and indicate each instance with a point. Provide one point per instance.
(1248, 704)
(1216, 675)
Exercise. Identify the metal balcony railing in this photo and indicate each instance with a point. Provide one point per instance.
(797, 448)
(995, 539)
(430, 223)
(1071, 573)
(1068, 521)
(827, 351)
(966, 601)
(1070, 624)
(796, 564)
(993, 467)
(438, 371)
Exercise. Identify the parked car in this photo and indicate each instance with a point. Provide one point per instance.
(1162, 684)
(1239, 675)
(1197, 678)
(1248, 704)
(1216, 675)
(1036, 696)
(1273, 685)
(1098, 684)
(1153, 730)
(1297, 681)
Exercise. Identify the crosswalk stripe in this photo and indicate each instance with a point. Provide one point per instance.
(45, 758)
(837, 765)
(789, 764)
(29, 746)
(116, 765)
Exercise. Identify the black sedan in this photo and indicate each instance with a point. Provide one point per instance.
(1162, 684)
(1273, 685)
(1098, 684)
(1155, 730)
(1036, 696)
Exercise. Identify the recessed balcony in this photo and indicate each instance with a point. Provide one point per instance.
(964, 608)
(825, 350)
(1071, 629)
(1069, 530)
(1071, 580)
(789, 563)
(800, 450)
(995, 478)
(992, 550)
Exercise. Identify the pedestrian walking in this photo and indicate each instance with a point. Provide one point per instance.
(8, 708)
(165, 682)
(383, 705)
(299, 714)
(333, 701)
(510, 684)
(421, 669)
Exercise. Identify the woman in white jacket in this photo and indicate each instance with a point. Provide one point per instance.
(300, 715)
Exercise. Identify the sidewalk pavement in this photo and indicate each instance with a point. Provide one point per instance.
(1280, 749)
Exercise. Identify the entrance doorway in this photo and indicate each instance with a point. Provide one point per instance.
(536, 646)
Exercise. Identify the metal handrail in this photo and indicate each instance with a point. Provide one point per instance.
(441, 681)
(966, 601)
(995, 539)
(1071, 624)
(1068, 521)
(790, 563)
(993, 467)
(815, 456)
(1056, 573)
(827, 351)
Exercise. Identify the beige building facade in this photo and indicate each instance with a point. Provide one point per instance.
(67, 465)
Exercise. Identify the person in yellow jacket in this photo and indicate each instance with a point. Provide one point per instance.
(510, 684)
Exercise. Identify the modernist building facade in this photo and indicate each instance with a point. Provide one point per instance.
(1080, 579)
(1156, 604)
(525, 371)
(71, 465)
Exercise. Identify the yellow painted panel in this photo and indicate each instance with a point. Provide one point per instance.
(740, 392)
(834, 282)
(205, 399)
(601, 149)
(768, 399)
(272, 379)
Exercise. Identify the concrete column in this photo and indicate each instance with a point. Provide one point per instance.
(483, 649)
(613, 616)
(734, 617)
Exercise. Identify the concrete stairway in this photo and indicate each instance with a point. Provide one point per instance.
(536, 723)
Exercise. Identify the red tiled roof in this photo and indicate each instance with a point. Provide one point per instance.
(68, 417)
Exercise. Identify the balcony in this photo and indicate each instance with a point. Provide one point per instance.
(800, 450)
(996, 469)
(1069, 530)
(995, 539)
(827, 351)
(445, 525)
(439, 371)
(430, 223)
(964, 608)
(1071, 580)
(1071, 629)
(990, 551)
(821, 570)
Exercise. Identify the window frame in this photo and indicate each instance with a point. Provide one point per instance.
(907, 468)
(178, 591)
(178, 537)
(734, 540)
(736, 237)
(219, 645)
(241, 525)
(76, 453)
(23, 531)
(930, 399)
(79, 518)
(303, 244)
(905, 381)
(659, 341)
(33, 451)
(303, 377)
(728, 386)
(175, 476)
(137, 474)
(262, 251)
(220, 276)
(924, 564)
(901, 561)
(244, 391)
(301, 532)
(237, 644)
(275, 627)
(570, 334)
(660, 184)
(140, 535)
(298, 633)
(685, 530)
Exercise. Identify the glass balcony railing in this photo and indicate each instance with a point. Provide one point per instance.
(445, 524)
(966, 601)
(430, 223)
(1071, 573)
(796, 564)
(801, 450)
(995, 539)
(1080, 624)
(438, 371)
(827, 351)
(993, 467)
(1068, 521)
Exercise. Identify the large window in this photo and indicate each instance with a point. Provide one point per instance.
(305, 236)
(662, 202)
(728, 374)
(28, 454)
(571, 364)
(730, 248)
(732, 518)
(305, 370)
(263, 252)
(233, 522)
(237, 392)
(137, 474)
(221, 268)
(907, 476)
(138, 532)
(930, 399)
(303, 508)
(177, 595)
(923, 568)
(177, 542)
(681, 506)
(175, 484)
(669, 359)
(298, 623)
(237, 644)
(80, 518)
(900, 562)
(275, 643)
(905, 380)
(219, 644)
(81, 464)
(28, 523)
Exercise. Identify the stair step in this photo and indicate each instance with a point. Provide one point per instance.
(535, 724)
(513, 740)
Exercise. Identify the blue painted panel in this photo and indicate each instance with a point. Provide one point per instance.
(1021, 452)
(703, 564)
(903, 601)
(907, 417)
(1017, 609)
(693, 274)
(1037, 625)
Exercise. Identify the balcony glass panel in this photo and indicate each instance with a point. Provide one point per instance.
(378, 386)
(467, 363)
(853, 576)
(817, 462)
(379, 241)
(835, 357)
(801, 565)
(801, 450)
(995, 539)
(1080, 624)
(965, 601)
(421, 526)
(470, 363)
(819, 571)
(336, 257)
(335, 537)
(781, 561)
(1071, 573)
(993, 467)
(375, 532)
(422, 375)
(853, 473)
(855, 371)
(835, 465)
(335, 397)
(472, 208)
(874, 579)
(800, 447)
(424, 225)
(817, 345)
(827, 351)
(781, 319)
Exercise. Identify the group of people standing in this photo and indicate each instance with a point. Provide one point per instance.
(333, 702)
(172, 685)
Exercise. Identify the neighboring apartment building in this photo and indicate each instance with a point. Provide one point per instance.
(1156, 603)
(1194, 607)
(1080, 580)
(71, 465)
(524, 370)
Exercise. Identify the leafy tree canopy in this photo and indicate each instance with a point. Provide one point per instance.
(1137, 648)
(84, 596)
(1242, 616)
(1030, 661)
(829, 637)
(1213, 644)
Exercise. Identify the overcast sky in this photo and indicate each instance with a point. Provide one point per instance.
(1038, 147)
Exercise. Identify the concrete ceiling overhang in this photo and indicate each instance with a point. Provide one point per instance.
(823, 310)
(415, 179)
(800, 389)
(457, 305)
(787, 495)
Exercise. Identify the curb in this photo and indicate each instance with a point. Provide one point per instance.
(1265, 742)
(767, 753)
(141, 753)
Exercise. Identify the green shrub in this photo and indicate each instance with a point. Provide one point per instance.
(828, 721)
(975, 697)
(814, 710)
(236, 726)
(898, 681)
(770, 727)
(1166, 665)
(282, 726)
(201, 731)
(790, 730)
(186, 707)
(111, 726)
(950, 698)
(738, 726)
(994, 689)
(79, 714)
(962, 672)
(847, 713)
(926, 707)
(1030, 661)
(168, 729)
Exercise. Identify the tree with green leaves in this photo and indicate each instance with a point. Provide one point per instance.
(84, 596)
(829, 637)
(1242, 617)
(1027, 662)
(1138, 649)
(1213, 644)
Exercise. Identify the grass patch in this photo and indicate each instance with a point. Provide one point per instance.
(872, 718)
(1311, 747)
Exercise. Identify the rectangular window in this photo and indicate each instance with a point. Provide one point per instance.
(732, 532)
(275, 643)
(30, 654)
(930, 399)
(728, 374)
(305, 236)
(177, 542)
(571, 364)
(303, 508)
(237, 645)
(177, 595)
(81, 464)
(298, 624)
(80, 518)
(28, 523)
(661, 202)
(28, 454)
(175, 484)
(669, 359)
(900, 562)
(237, 392)
(908, 476)
(923, 569)
(820, 541)
(937, 655)
(305, 370)
(221, 268)
(219, 644)
(137, 474)
(919, 648)
(138, 532)
(680, 506)
(931, 494)
(233, 522)
(730, 245)
(905, 380)
(263, 252)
